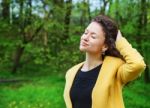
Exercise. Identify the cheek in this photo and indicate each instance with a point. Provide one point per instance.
(97, 44)
(97, 47)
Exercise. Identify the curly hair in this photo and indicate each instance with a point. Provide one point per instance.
(110, 29)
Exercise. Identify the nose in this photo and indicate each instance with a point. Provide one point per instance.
(85, 37)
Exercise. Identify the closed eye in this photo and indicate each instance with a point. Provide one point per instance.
(94, 37)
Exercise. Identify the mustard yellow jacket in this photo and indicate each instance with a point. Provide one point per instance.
(114, 73)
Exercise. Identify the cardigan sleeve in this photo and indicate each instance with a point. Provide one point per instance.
(134, 63)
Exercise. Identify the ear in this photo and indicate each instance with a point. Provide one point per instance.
(104, 48)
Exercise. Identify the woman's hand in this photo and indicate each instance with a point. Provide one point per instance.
(119, 35)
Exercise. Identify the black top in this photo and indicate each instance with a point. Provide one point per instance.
(81, 90)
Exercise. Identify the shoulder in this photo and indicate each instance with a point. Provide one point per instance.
(114, 60)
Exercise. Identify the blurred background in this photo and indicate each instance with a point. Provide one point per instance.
(39, 41)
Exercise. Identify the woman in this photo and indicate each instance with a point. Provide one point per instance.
(110, 63)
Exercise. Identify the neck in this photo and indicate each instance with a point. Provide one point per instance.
(91, 61)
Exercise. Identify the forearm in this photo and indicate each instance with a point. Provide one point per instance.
(134, 63)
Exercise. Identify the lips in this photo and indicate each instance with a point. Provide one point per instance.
(84, 44)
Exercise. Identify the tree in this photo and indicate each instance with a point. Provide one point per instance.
(142, 28)
(103, 8)
(6, 9)
(67, 19)
(28, 32)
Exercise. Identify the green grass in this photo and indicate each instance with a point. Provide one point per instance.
(137, 95)
(47, 92)
(43, 92)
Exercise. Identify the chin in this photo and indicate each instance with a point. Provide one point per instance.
(82, 49)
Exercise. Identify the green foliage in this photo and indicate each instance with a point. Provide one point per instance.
(47, 51)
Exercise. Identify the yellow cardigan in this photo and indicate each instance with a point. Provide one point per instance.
(114, 73)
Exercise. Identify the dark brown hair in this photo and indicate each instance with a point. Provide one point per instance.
(110, 29)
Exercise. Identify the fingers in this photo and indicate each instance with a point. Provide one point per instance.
(119, 35)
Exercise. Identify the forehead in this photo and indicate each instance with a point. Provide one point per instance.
(95, 27)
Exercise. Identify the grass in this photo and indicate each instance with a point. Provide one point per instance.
(43, 92)
(137, 95)
(47, 92)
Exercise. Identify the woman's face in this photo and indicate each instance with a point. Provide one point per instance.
(92, 40)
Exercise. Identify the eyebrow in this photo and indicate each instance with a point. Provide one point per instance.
(91, 32)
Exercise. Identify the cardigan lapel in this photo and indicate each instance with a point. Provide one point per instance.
(69, 81)
(107, 71)
(98, 86)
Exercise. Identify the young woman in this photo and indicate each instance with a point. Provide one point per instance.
(109, 64)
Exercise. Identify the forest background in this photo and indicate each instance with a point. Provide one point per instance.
(39, 42)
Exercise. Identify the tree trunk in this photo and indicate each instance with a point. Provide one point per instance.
(142, 26)
(146, 74)
(6, 10)
(103, 9)
(17, 58)
(26, 36)
(67, 18)
(88, 8)
(29, 13)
